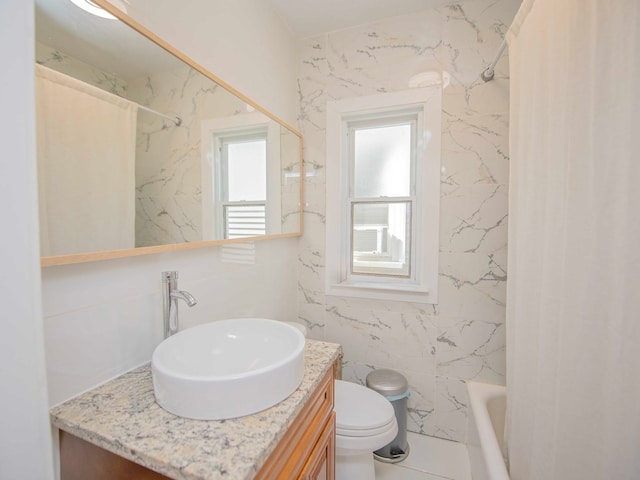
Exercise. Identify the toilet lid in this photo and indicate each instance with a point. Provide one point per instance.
(360, 408)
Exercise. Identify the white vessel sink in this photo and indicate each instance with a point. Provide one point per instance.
(228, 368)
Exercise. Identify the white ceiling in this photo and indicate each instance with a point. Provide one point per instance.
(311, 17)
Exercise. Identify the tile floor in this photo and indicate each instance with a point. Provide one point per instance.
(430, 458)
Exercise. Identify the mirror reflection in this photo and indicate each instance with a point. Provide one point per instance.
(138, 149)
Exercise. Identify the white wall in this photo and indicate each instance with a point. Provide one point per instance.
(25, 445)
(104, 318)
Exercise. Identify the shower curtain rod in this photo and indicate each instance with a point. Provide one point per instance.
(488, 73)
(175, 119)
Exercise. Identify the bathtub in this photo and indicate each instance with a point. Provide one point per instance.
(485, 436)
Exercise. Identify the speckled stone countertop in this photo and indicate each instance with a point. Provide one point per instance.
(122, 417)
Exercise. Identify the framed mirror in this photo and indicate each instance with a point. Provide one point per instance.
(141, 150)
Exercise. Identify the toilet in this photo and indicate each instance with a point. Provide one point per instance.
(365, 422)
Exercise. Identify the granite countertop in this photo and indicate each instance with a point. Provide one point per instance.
(122, 417)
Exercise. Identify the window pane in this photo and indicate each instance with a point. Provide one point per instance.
(244, 221)
(380, 240)
(247, 171)
(382, 161)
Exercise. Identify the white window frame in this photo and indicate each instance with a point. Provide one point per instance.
(214, 129)
(422, 286)
(413, 117)
(221, 179)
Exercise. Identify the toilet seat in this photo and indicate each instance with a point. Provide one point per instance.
(364, 433)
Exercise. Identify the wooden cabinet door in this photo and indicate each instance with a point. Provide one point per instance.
(291, 457)
(321, 463)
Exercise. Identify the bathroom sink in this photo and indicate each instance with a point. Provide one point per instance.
(228, 368)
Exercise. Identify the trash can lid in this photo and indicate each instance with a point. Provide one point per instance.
(387, 382)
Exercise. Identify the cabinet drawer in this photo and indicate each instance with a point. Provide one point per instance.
(294, 450)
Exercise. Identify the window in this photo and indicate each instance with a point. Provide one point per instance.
(382, 223)
(240, 185)
(381, 196)
(243, 184)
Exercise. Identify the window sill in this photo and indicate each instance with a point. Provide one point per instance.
(383, 291)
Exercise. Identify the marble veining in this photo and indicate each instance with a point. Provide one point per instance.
(437, 347)
(168, 158)
(122, 416)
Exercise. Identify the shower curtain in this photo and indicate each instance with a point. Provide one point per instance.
(573, 303)
(86, 173)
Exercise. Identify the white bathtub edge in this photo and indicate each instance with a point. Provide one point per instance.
(479, 395)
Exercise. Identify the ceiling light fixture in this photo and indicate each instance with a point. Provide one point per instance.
(92, 8)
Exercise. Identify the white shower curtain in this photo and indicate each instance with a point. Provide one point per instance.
(86, 172)
(573, 305)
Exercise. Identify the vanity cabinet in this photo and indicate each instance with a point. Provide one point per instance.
(306, 452)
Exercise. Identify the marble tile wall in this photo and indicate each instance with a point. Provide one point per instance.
(289, 181)
(438, 347)
(63, 63)
(168, 158)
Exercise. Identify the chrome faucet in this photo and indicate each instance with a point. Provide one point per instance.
(170, 296)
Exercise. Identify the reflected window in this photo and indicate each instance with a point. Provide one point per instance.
(241, 177)
(244, 185)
